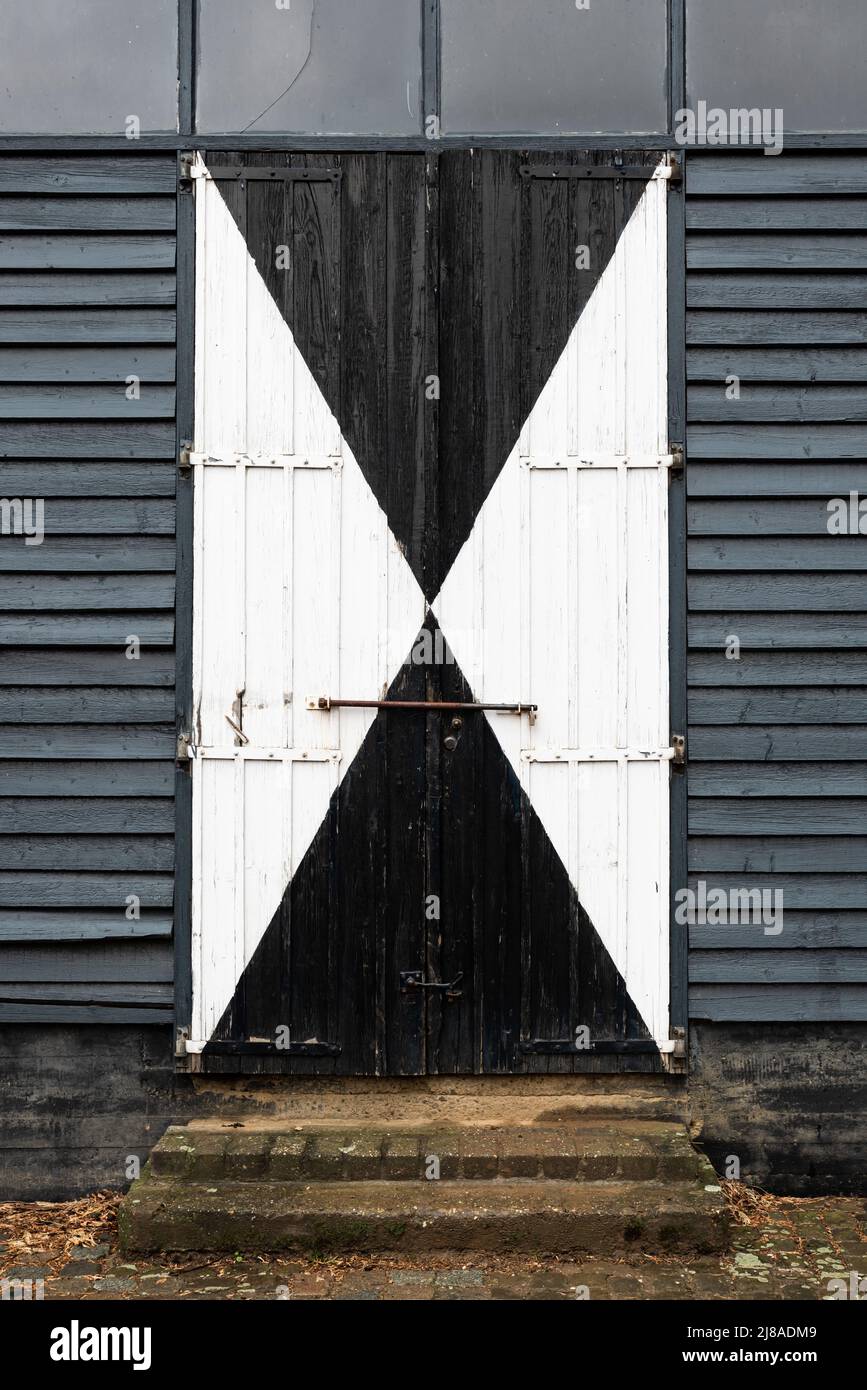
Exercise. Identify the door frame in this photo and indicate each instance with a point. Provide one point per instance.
(185, 421)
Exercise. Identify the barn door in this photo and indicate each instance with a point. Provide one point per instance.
(431, 751)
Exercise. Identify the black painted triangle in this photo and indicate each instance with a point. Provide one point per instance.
(431, 297)
(429, 858)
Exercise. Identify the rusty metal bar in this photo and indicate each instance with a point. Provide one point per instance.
(324, 702)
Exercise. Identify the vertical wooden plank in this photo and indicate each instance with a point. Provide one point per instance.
(269, 361)
(222, 404)
(674, 215)
(316, 293)
(412, 866)
(184, 506)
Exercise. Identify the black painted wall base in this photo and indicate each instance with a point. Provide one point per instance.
(77, 1103)
(787, 1100)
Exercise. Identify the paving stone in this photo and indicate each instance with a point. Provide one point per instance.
(361, 1285)
(78, 1287)
(415, 1277)
(451, 1286)
(309, 1286)
(461, 1278)
(89, 1252)
(748, 1260)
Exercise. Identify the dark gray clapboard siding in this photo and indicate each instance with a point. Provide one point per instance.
(34, 925)
(87, 741)
(61, 479)
(113, 364)
(777, 773)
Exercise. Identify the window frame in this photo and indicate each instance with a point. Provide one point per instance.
(186, 137)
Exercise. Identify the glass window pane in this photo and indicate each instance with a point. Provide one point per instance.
(87, 66)
(317, 66)
(808, 57)
(550, 67)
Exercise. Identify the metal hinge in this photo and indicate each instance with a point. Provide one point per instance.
(670, 170)
(186, 165)
(280, 173)
(678, 752)
(185, 751)
(676, 456)
(185, 458)
(674, 1058)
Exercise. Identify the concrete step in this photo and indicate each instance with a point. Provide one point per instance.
(553, 1216)
(637, 1151)
(591, 1186)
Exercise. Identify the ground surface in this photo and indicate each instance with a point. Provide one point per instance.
(783, 1248)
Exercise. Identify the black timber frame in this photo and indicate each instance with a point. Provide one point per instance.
(678, 938)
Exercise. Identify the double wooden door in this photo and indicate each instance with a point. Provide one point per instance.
(430, 473)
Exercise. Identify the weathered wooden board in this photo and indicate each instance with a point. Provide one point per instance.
(77, 174)
(81, 741)
(757, 706)
(800, 854)
(782, 630)
(80, 364)
(23, 592)
(816, 174)
(751, 1003)
(774, 743)
(83, 815)
(39, 704)
(780, 593)
(799, 251)
(71, 214)
(812, 814)
(46, 926)
(144, 962)
(151, 852)
(87, 326)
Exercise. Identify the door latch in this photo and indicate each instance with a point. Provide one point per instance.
(327, 702)
(411, 980)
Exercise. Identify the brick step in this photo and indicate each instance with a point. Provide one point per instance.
(553, 1216)
(636, 1151)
